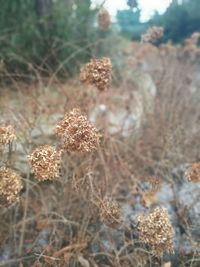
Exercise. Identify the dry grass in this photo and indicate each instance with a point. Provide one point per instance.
(71, 209)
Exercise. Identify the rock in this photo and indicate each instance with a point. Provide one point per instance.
(189, 198)
(42, 241)
(110, 239)
(147, 90)
(125, 113)
(5, 253)
(121, 115)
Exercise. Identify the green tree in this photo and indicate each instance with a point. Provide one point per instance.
(45, 33)
(180, 20)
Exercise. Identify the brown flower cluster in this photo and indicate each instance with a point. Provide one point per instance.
(155, 230)
(110, 212)
(77, 133)
(7, 134)
(97, 72)
(152, 35)
(10, 186)
(193, 173)
(191, 48)
(155, 183)
(45, 162)
(103, 19)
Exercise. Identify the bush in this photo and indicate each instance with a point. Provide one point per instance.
(45, 34)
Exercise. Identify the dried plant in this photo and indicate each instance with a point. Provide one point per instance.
(7, 134)
(152, 35)
(193, 173)
(10, 186)
(155, 183)
(155, 230)
(110, 212)
(77, 133)
(103, 19)
(191, 48)
(45, 162)
(97, 72)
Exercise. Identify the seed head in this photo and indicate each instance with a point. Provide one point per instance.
(152, 35)
(97, 72)
(103, 19)
(10, 186)
(45, 162)
(193, 173)
(7, 134)
(155, 230)
(77, 133)
(110, 212)
(155, 183)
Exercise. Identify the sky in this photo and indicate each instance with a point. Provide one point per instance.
(147, 6)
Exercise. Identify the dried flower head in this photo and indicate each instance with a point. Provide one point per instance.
(7, 134)
(193, 39)
(77, 133)
(103, 19)
(10, 186)
(110, 212)
(193, 173)
(45, 162)
(152, 35)
(155, 183)
(97, 72)
(155, 230)
(191, 48)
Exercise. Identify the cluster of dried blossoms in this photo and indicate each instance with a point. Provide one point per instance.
(155, 230)
(7, 134)
(10, 186)
(97, 72)
(193, 173)
(155, 183)
(45, 162)
(110, 212)
(103, 19)
(191, 46)
(152, 35)
(77, 133)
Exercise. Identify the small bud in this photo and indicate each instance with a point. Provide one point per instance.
(10, 186)
(103, 19)
(110, 212)
(7, 134)
(193, 173)
(152, 35)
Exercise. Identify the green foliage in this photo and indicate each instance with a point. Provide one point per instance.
(180, 20)
(129, 23)
(57, 39)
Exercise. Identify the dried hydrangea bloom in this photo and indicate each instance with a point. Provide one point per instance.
(103, 19)
(193, 39)
(155, 230)
(155, 183)
(45, 162)
(97, 72)
(110, 212)
(7, 134)
(10, 186)
(193, 173)
(191, 45)
(152, 35)
(77, 133)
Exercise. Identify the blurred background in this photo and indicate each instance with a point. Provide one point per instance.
(58, 35)
(149, 120)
